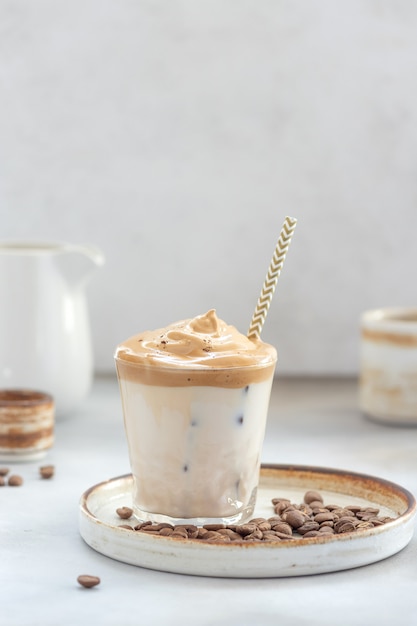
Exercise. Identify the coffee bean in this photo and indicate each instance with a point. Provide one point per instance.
(281, 506)
(234, 536)
(312, 496)
(316, 504)
(256, 520)
(4, 471)
(370, 509)
(345, 520)
(344, 527)
(149, 528)
(212, 534)
(15, 480)
(290, 507)
(305, 508)
(256, 534)
(264, 526)
(278, 500)
(319, 509)
(190, 530)
(2, 481)
(324, 517)
(269, 534)
(246, 529)
(332, 507)
(142, 525)
(354, 508)
(47, 471)
(329, 523)
(124, 512)
(156, 527)
(179, 531)
(284, 536)
(294, 518)
(188, 527)
(270, 539)
(88, 581)
(364, 525)
(307, 527)
(282, 527)
(363, 515)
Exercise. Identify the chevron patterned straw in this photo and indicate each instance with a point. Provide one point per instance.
(271, 279)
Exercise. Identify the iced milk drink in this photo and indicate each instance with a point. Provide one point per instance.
(195, 398)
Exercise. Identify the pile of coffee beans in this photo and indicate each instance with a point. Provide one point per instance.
(311, 518)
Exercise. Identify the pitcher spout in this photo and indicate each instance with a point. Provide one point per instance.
(78, 262)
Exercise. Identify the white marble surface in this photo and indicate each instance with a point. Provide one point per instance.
(176, 135)
(312, 422)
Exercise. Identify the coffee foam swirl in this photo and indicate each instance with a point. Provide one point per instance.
(204, 342)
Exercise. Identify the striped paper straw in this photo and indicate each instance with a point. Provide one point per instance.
(271, 279)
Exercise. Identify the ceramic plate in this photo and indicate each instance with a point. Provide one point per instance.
(99, 527)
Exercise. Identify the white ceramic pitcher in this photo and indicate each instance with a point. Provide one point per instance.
(45, 341)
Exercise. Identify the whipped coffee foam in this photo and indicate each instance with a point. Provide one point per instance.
(202, 343)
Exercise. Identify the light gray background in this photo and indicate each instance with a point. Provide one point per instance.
(177, 135)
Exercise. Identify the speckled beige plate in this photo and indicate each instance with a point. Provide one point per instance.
(99, 527)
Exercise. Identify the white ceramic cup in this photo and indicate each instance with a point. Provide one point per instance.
(388, 365)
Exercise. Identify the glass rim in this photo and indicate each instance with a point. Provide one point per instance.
(197, 366)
